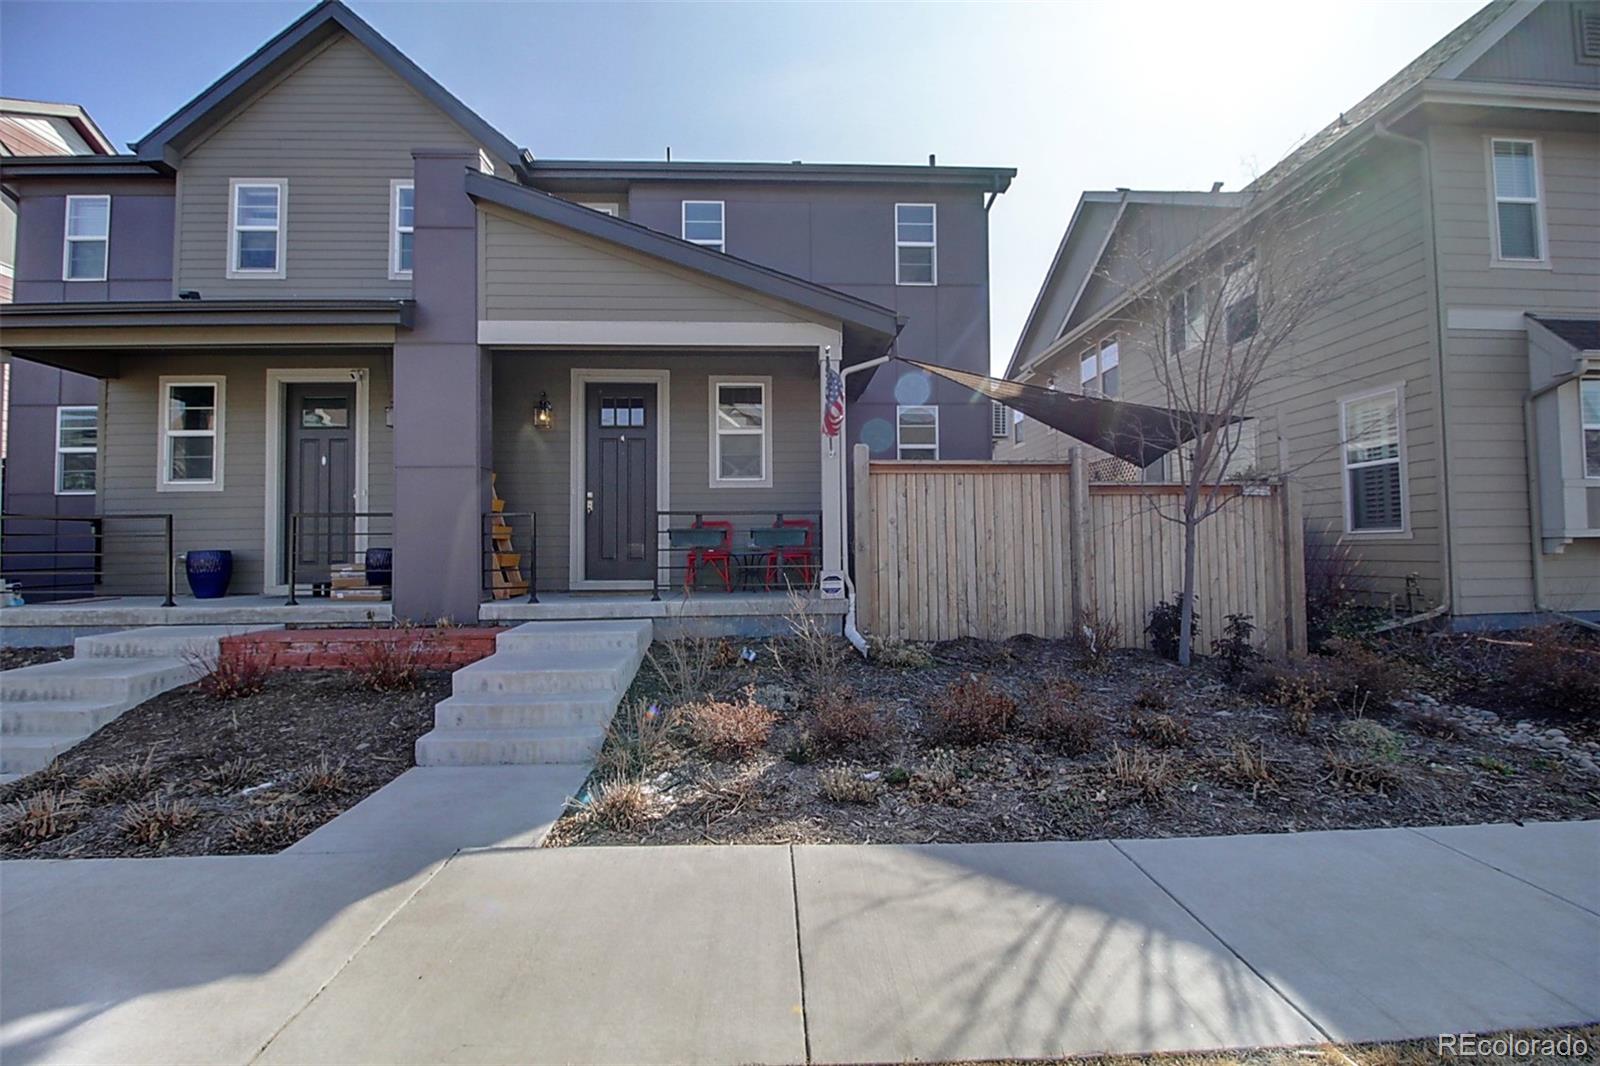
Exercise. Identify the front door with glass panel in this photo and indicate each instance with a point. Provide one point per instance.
(320, 478)
(619, 498)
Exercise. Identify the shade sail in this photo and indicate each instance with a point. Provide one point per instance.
(1135, 432)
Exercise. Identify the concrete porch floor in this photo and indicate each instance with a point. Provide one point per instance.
(31, 623)
(704, 613)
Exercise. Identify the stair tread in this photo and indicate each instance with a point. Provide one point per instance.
(546, 660)
(95, 666)
(36, 704)
(530, 699)
(40, 740)
(521, 732)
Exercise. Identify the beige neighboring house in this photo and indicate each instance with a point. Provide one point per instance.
(1471, 359)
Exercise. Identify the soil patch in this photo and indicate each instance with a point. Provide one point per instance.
(1138, 748)
(15, 658)
(247, 775)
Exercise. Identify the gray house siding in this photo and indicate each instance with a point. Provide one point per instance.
(1487, 369)
(533, 465)
(139, 264)
(1540, 50)
(338, 127)
(233, 518)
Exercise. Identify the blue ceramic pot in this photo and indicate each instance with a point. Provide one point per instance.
(380, 566)
(209, 573)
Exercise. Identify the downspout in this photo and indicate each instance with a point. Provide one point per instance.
(1447, 531)
(851, 633)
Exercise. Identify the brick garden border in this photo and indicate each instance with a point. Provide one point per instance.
(337, 649)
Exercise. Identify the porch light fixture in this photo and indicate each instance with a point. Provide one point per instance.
(544, 415)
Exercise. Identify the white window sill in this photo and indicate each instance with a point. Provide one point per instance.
(75, 492)
(1522, 264)
(178, 486)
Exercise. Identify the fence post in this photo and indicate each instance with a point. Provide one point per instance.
(1077, 526)
(861, 531)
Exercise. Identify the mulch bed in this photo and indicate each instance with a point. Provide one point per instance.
(14, 658)
(918, 789)
(248, 775)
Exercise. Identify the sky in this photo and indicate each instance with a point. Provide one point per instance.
(1088, 94)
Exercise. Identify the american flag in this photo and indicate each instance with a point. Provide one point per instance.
(833, 408)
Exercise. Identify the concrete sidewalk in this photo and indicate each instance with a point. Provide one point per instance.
(805, 954)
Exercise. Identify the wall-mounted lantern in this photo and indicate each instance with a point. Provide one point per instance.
(544, 415)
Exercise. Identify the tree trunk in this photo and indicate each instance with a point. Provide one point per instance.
(1186, 619)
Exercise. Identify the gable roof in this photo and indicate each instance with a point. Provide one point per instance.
(163, 144)
(99, 144)
(856, 314)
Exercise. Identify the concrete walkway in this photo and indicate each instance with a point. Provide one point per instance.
(804, 954)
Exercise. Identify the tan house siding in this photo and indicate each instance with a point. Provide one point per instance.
(338, 127)
(533, 465)
(233, 518)
(531, 270)
(1487, 370)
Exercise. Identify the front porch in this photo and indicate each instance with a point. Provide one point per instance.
(57, 624)
(675, 614)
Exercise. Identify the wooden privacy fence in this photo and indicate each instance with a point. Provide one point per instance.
(989, 549)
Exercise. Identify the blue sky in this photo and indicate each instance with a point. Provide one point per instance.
(1080, 95)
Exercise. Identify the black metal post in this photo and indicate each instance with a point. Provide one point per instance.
(294, 552)
(171, 561)
(533, 558)
(655, 571)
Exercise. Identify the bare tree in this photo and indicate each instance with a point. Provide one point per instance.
(1212, 321)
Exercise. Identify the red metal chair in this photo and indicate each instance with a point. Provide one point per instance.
(793, 553)
(717, 557)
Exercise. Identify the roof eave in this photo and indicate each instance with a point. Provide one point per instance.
(994, 179)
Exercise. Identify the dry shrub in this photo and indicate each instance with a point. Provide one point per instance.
(1551, 670)
(729, 729)
(683, 665)
(1372, 740)
(814, 648)
(639, 736)
(937, 778)
(618, 805)
(1136, 769)
(47, 813)
(1434, 723)
(1299, 696)
(897, 654)
(842, 784)
(233, 775)
(1095, 640)
(392, 664)
(1247, 766)
(153, 821)
(1362, 680)
(120, 782)
(1059, 721)
(322, 778)
(270, 830)
(228, 677)
(1359, 772)
(1162, 730)
(1153, 698)
(972, 711)
(841, 720)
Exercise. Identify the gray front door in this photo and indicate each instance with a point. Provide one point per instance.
(620, 481)
(320, 478)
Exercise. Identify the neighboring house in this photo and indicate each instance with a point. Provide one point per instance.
(48, 417)
(1477, 179)
(330, 286)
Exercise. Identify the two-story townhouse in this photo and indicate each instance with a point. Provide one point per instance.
(48, 417)
(331, 288)
(1444, 416)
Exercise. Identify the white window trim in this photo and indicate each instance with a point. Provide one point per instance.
(933, 244)
(1398, 391)
(683, 224)
(1194, 318)
(1584, 427)
(77, 450)
(1495, 258)
(901, 409)
(164, 435)
(1089, 386)
(606, 207)
(395, 185)
(1112, 341)
(67, 240)
(717, 433)
(281, 271)
(999, 419)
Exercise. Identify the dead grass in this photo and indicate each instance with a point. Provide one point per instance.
(845, 784)
(228, 678)
(813, 650)
(392, 664)
(1360, 772)
(729, 728)
(1248, 766)
(896, 654)
(1137, 769)
(154, 820)
(640, 737)
(233, 775)
(270, 830)
(45, 814)
(120, 782)
(323, 778)
(973, 710)
(619, 805)
(683, 665)
(1162, 730)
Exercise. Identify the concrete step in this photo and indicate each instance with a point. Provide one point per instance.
(131, 681)
(548, 670)
(632, 636)
(160, 642)
(23, 753)
(39, 717)
(499, 747)
(493, 710)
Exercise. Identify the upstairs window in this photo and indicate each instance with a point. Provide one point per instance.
(741, 433)
(256, 230)
(1089, 371)
(1372, 430)
(1186, 320)
(402, 227)
(703, 224)
(917, 432)
(916, 253)
(1518, 216)
(1590, 401)
(88, 238)
(1110, 377)
(191, 434)
(77, 437)
(1239, 300)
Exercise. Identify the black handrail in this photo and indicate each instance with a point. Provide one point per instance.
(664, 533)
(353, 517)
(489, 553)
(97, 531)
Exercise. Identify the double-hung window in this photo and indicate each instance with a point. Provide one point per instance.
(256, 209)
(1110, 376)
(1372, 429)
(402, 227)
(916, 240)
(77, 437)
(1186, 320)
(741, 433)
(1589, 400)
(1240, 302)
(88, 238)
(1518, 214)
(917, 431)
(703, 224)
(191, 433)
(1089, 371)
